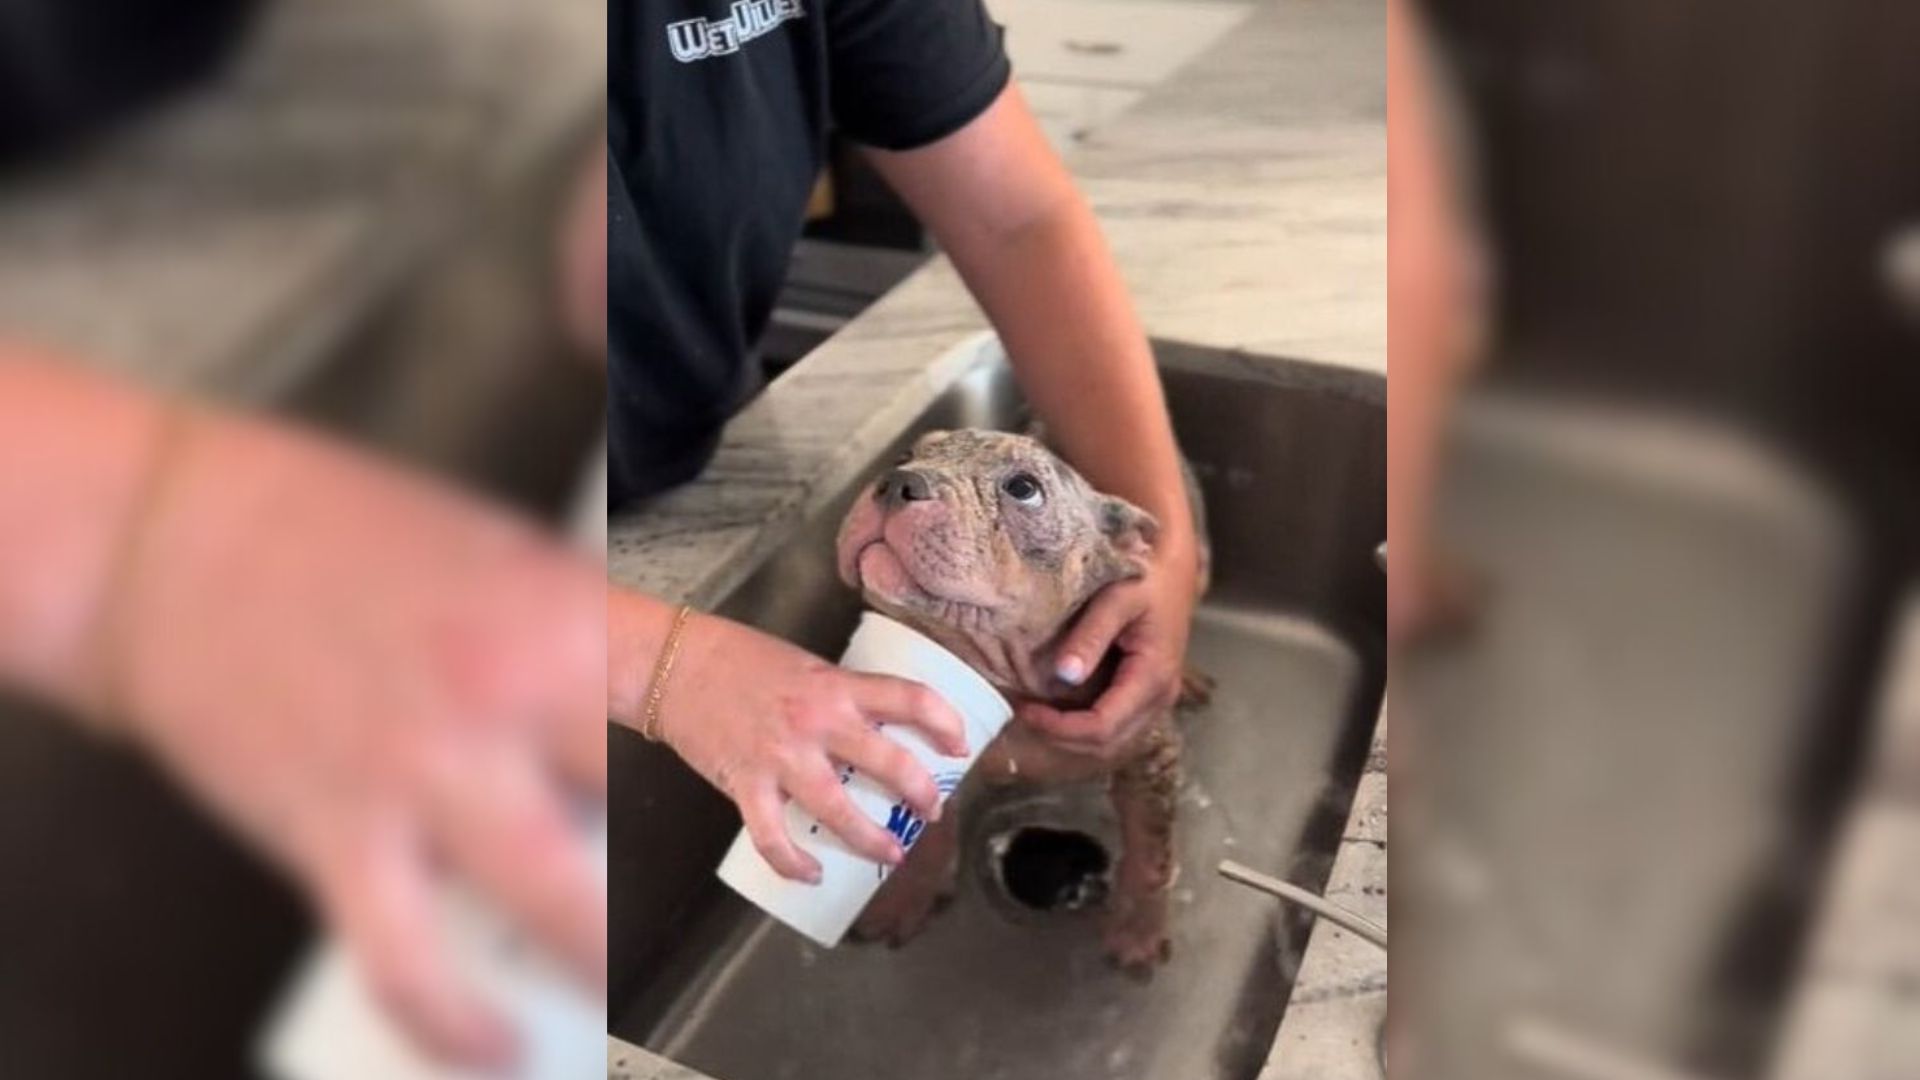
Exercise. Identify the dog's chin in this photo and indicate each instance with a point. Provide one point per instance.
(884, 577)
(890, 584)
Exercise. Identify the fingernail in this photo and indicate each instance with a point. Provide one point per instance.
(895, 856)
(1071, 670)
(813, 876)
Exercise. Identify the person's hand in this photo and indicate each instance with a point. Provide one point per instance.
(765, 721)
(1147, 619)
(372, 678)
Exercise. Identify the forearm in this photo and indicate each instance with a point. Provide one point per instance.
(1058, 301)
(75, 452)
(1007, 213)
(1436, 304)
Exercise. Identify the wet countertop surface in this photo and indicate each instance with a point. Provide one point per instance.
(1245, 199)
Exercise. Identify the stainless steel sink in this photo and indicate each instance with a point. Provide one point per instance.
(1650, 723)
(1292, 459)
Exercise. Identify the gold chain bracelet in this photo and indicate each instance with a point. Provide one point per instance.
(112, 635)
(662, 671)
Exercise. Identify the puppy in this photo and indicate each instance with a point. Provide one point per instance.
(989, 544)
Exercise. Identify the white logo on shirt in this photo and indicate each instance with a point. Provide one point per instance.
(697, 39)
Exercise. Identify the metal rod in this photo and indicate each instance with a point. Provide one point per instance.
(1361, 925)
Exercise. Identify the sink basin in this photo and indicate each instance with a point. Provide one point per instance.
(1651, 722)
(1010, 980)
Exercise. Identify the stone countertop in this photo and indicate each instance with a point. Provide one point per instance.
(626, 1061)
(231, 243)
(1245, 200)
(1332, 1028)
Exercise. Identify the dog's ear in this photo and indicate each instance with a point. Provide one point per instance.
(924, 440)
(1129, 532)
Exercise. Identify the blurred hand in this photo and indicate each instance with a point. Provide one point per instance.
(1148, 620)
(372, 678)
(765, 721)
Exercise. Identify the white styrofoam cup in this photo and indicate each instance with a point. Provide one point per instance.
(848, 880)
(330, 1027)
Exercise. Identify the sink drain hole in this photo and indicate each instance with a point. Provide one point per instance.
(1054, 869)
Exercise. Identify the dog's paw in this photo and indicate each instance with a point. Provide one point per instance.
(902, 908)
(1135, 935)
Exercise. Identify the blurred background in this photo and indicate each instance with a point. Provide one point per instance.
(1658, 750)
(340, 210)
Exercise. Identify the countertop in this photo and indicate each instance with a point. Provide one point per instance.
(1855, 1014)
(1338, 1010)
(1245, 202)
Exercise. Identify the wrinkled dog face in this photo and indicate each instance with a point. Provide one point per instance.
(990, 536)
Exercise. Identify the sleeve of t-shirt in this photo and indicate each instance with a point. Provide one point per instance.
(904, 73)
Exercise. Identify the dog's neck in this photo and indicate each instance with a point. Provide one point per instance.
(1017, 660)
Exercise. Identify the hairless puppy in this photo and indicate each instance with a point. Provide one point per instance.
(990, 544)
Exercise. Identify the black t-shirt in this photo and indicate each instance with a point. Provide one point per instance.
(719, 111)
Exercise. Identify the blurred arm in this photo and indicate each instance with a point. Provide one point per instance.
(1435, 304)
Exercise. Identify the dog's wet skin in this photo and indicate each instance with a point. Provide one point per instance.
(990, 544)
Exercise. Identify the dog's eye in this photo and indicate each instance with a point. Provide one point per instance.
(1023, 489)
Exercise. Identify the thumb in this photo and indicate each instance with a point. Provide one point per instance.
(1083, 646)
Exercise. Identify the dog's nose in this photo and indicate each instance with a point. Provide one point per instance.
(902, 486)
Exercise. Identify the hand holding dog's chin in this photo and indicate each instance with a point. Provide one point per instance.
(1148, 620)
